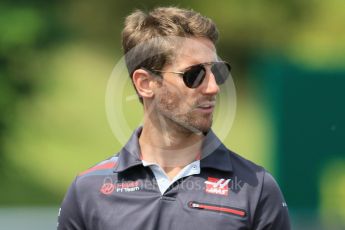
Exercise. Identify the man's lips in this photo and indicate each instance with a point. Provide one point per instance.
(207, 104)
(206, 107)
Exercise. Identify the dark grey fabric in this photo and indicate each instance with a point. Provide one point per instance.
(253, 199)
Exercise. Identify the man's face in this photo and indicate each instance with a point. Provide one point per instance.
(187, 109)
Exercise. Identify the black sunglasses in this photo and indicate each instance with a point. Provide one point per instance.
(194, 75)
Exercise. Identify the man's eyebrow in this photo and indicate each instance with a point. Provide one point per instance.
(199, 63)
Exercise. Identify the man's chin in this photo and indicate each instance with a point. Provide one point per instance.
(192, 128)
(198, 126)
(200, 129)
(205, 126)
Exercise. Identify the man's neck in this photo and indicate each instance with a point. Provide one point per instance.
(168, 147)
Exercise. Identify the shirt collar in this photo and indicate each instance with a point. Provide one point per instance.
(213, 155)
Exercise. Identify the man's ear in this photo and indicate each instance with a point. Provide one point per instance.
(143, 83)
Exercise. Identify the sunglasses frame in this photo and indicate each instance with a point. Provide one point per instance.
(189, 68)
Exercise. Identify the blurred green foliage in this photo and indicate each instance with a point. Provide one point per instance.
(26, 31)
(56, 58)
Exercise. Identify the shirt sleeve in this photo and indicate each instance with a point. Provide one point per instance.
(69, 214)
(271, 212)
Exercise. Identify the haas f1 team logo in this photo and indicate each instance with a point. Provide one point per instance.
(109, 187)
(217, 186)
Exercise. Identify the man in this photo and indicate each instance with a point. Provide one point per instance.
(174, 173)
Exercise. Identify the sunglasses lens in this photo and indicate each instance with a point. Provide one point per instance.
(221, 72)
(194, 76)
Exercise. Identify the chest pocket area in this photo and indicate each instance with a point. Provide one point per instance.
(217, 208)
(217, 216)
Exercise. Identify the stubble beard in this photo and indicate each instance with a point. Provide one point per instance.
(168, 109)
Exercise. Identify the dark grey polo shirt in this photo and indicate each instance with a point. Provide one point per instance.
(230, 192)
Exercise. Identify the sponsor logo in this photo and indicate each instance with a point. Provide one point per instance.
(217, 186)
(109, 187)
(128, 186)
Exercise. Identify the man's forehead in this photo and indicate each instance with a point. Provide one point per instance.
(195, 50)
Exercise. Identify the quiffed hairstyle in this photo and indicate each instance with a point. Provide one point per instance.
(145, 37)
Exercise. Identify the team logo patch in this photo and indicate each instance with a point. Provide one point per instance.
(109, 187)
(217, 186)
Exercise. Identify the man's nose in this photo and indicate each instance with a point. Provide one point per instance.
(210, 85)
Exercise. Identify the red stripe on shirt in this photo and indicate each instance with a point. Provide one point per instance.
(99, 167)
